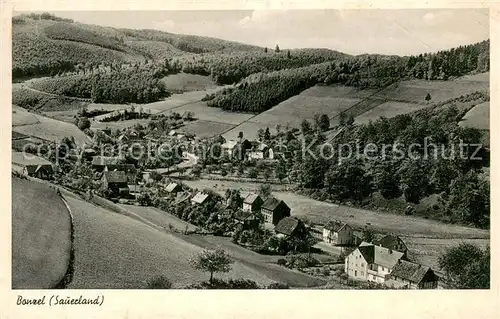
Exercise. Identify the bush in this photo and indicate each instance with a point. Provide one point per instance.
(282, 262)
(160, 282)
(222, 284)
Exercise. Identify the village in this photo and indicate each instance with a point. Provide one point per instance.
(257, 221)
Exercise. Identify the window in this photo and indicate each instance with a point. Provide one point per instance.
(355, 273)
(362, 265)
(362, 273)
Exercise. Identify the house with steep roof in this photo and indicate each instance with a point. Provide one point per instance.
(228, 147)
(274, 210)
(252, 203)
(200, 198)
(173, 188)
(338, 233)
(393, 242)
(373, 263)
(411, 275)
(290, 226)
(115, 181)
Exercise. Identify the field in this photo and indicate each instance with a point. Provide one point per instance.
(117, 124)
(41, 236)
(47, 128)
(21, 116)
(188, 82)
(388, 110)
(478, 117)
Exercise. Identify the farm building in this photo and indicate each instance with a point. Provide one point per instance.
(413, 276)
(228, 147)
(32, 165)
(200, 198)
(261, 151)
(274, 210)
(290, 226)
(173, 188)
(338, 233)
(99, 163)
(252, 203)
(392, 242)
(247, 219)
(115, 181)
(135, 190)
(373, 263)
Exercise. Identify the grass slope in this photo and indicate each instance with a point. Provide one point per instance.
(478, 117)
(41, 236)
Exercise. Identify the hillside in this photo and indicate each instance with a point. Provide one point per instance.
(41, 236)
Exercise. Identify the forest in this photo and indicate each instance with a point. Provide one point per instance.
(402, 170)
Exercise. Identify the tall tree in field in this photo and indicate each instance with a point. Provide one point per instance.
(342, 119)
(265, 50)
(267, 134)
(212, 261)
(305, 127)
(466, 266)
(428, 97)
(265, 191)
(277, 49)
(324, 122)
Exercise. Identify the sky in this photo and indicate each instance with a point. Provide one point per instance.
(402, 32)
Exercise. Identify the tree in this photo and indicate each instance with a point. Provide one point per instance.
(234, 199)
(267, 134)
(212, 261)
(324, 122)
(265, 50)
(350, 120)
(260, 134)
(466, 266)
(368, 235)
(414, 179)
(428, 97)
(386, 179)
(277, 49)
(288, 55)
(342, 119)
(349, 181)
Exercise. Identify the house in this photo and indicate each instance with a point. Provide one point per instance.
(123, 138)
(200, 198)
(338, 233)
(411, 275)
(252, 203)
(274, 210)
(246, 218)
(261, 151)
(173, 188)
(228, 147)
(32, 165)
(393, 242)
(290, 226)
(115, 181)
(373, 263)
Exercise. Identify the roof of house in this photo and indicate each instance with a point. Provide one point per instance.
(200, 198)
(395, 284)
(410, 271)
(115, 176)
(171, 187)
(287, 225)
(379, 255)
(121, 167)
(335, 225)
(272, 203)
(23, 159)
(229, 144)
(251, 198)
(388, 241)
(261, 147)
(35, 168)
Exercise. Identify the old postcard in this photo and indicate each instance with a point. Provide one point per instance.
(249, 149)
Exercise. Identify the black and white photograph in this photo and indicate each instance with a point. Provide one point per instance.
(251, 149)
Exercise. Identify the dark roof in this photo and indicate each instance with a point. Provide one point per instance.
(379, 255)
(251, 198)
(272, 203)
(410, 271)
(368, 253)
(388, 241)
(287, 225)
(335, 225)
(36, 168)
(115, 176)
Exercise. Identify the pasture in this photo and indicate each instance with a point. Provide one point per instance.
(478, 117)
(21, 116)
(188, 82)
(96, 125)
(388, 110)
(203, 112)
(41, 236)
